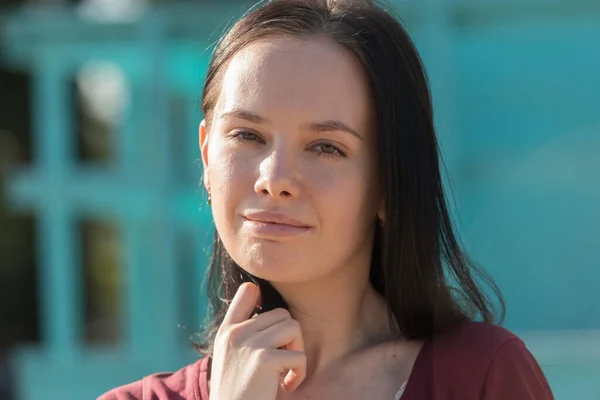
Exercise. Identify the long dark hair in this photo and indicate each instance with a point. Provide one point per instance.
(418, 265)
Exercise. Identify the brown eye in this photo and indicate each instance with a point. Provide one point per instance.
(247, 135)
(327, 149)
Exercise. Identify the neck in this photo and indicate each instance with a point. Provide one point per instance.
(339, 315)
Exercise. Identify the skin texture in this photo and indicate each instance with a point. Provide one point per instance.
(292, 133)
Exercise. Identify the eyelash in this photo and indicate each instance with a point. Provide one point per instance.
(335, 154)
(240, 136)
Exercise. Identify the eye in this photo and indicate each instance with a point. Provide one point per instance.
(246, 135)
(327, 149)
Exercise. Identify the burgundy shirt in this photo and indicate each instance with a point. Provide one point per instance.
(474, 361)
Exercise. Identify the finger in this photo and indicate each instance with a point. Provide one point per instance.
(263, 321)
(285, 333)
(297, 371)
(243, 304)
(292, 361)
(292, 380)
(295, 376)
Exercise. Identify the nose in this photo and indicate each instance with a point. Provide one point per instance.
(277, 177)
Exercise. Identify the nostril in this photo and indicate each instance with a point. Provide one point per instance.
(285, 194)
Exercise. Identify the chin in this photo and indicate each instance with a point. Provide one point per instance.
(274, 262)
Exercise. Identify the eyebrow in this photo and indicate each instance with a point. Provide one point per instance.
(333, 125)
(244, 114)
(323, 126)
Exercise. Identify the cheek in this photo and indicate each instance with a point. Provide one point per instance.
(224, 183)
(228, 173)
(344, 194)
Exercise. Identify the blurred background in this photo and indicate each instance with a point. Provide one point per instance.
(104, 235)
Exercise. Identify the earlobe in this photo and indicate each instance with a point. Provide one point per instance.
(203, 144)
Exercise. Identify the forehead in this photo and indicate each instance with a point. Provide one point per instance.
(284, 76)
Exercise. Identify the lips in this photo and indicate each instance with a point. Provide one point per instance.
(273, 226)
(274, 218)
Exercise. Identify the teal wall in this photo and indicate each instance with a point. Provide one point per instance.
(516, 87)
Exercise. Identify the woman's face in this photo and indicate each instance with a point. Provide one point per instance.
(289, 158)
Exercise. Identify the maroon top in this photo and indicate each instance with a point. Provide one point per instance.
(474, 361)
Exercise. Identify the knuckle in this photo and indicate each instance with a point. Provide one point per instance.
(282, 313)
(294, 324)
(302, 357)
(263, 357)
(232, 335)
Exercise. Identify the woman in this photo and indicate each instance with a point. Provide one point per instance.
(336, 273)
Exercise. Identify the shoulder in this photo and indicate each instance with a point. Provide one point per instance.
(187, 383)
(474, 337)
(472, 345)
(487, 360)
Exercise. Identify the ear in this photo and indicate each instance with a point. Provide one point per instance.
(203, 143)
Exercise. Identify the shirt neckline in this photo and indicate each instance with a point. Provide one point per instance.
(416, 372)
(414, 376)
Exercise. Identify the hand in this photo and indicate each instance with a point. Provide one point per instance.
(252, 355)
